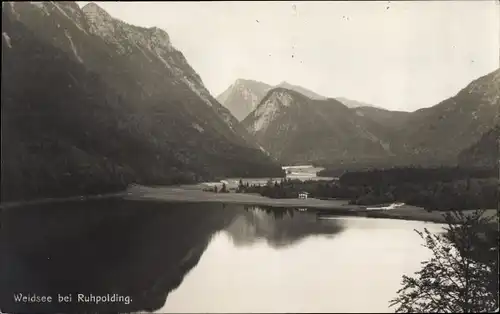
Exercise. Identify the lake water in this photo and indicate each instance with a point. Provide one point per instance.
(203, 258)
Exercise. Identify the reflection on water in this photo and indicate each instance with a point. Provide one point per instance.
(132, 248)
(279, 227)
(357, 268)
(201, 258)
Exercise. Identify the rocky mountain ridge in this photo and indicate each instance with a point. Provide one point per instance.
(132, 102)
(296, 129)
(243, 96)
(429, 137)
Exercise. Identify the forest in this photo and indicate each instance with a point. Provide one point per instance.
(432, 188)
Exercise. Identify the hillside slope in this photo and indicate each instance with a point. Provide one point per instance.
(296, 129)
(243, 96)
(83, 112)
(438, 134)
(485, 153)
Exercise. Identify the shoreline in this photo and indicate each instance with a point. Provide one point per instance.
(195, 194)
(14, 204)
(321, 207)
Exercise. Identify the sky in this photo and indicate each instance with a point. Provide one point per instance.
(397, 55)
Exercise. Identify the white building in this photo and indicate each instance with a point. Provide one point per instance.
(303, 195)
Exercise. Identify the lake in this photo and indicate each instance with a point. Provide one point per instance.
(202, 258)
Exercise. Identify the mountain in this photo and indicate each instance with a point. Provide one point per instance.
(302, 90)
(436, 135)
(296, 129)
(388, 118)
(485, 153)
(352, 103)
(243, 96)
(90, 104)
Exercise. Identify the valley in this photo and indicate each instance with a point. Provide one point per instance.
(218, 157)
(140, 94)
(360, 136)
(94, 104)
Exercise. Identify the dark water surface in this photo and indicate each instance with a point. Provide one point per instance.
(156, 256)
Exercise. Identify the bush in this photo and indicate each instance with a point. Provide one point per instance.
(461, 277)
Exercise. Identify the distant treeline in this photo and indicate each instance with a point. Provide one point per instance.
(433, 189)
(414, 175)
(409, 173)
(286, 188)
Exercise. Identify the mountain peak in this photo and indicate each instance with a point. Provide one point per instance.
(243, 96)
(99, 20)
(288, 85)
(281, 90)
(488, 86)
(355, 103)
(158, 31)
(93, 8)
(239, 81)
(270, 108)
(160, 38)
(299, 89)
(119, 32)
(296, 128)
(242, 81)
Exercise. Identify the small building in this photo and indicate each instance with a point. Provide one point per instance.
(303, 195)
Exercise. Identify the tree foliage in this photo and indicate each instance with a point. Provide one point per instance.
(461, 276)
(460, 193)
(72, 128)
